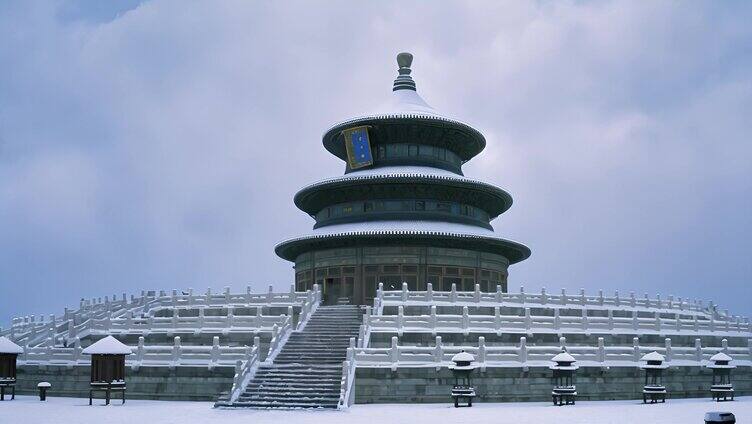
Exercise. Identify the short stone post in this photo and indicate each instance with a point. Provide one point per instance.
(522, 295)
(583, 299)
(429, 292)
(636, 349)
(270, 294)
(724, 346)
(528, 320)
(438, 351)
(600, 297)
(201, 318)
(214, 352)
(248, 296)
(176, 350)
(400, 319)
(230, 320)
(632, 299)
(584, 320)
(190, 297)
(432, 319)
(227, 295)
(563, 297)
(617, 301)
(465, 320)
(678, 321)
(543, 296)
(453, 293)
(394, 352)
(669, 353)
(482, 350)
(403, 296)
(497, 319)
(499, 297)
(557, 319)
(698, 350)
(174, 298)
(610, 319)
(601, 350)
(523, 350)
(657, 321)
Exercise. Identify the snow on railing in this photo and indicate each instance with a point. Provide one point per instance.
(555, 323)
(244, 371)
(599, 301)
(346, 397)
(155, 356)
(523, 355)
(96, 316)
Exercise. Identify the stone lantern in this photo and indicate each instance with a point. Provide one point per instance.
(564, 391)
(721, 365)
(654, 390)
(463, 390)
(107, 367)
(8, 354)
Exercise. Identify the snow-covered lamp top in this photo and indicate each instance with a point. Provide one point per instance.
(563, 361)
(7, 346)
(107, 346)
(653, 360)
(463, 361)
(721, 360)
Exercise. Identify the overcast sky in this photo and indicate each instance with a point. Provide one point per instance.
(159, 144)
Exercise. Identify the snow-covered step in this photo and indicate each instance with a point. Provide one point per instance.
(307, 372)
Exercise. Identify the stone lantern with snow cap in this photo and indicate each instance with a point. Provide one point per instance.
(462, 368)
(564, 391)
(9, 352)
(721, 365)
(107, 367)
(654, 390)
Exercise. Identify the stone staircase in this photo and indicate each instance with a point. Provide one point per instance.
(307, 372)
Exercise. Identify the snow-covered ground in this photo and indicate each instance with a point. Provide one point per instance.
(27, 409)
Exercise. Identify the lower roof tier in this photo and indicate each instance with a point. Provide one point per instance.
(431, 233)
(412, 182)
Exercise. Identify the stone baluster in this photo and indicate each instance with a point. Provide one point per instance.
(476, 294)
(465, 320)
(176, 351)
(583, 299)
(522, 295)
(230, 321)
(636, 349)
(429, 292)
(400, 319)
(698, 350)
(270, 294)
(669, 351)
(227, 295)
(610, 319)
(438, 351)
(543, 296)
(482, 350)
(600, 297)
(617, 301)
(403, 295)
(497, 319)
(453, 293)
(724, 346)
(394, 352)
(523, 350)
(677, 319)
(601, 350)
(557, 319)
(432, 319)
(528, 320)
(499, 297)
(563, 297)
(584, 320)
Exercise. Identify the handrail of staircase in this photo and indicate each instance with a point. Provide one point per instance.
(348, 378)
(244, 372)
(280, 335)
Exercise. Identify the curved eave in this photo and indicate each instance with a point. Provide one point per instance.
(473, 142)
(307, 199)
(513, 251)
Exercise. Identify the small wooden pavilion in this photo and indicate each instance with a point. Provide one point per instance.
(654, 390)
(564, 391)
(107, 367)
(721, 387)
(9, 352)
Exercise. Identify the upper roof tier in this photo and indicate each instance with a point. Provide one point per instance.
(407, 118)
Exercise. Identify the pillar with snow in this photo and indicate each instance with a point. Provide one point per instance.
(721, 388)
(564, 391)
(403, 212)
(9, 352)
(654, 390)
(107, 367)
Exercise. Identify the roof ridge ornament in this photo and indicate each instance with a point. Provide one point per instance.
(404, 81)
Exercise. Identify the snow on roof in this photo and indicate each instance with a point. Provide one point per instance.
(7, 346)
(463, 357)
(402, 104)
(107, 346)
(720, 356)
(653, 356)
(564, 356)
(400, 172)
(404, 227)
